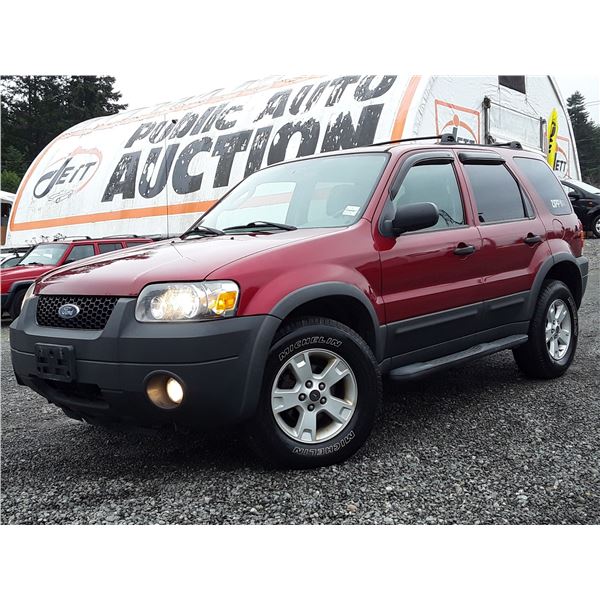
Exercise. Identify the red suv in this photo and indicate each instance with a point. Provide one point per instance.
(284, 305)
(44, 257)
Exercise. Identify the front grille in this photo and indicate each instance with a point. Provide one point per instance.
(94, 311)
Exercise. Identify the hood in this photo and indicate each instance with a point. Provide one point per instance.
(17, 273)
(126, 272)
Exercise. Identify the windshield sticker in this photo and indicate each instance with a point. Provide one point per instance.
(351, 211)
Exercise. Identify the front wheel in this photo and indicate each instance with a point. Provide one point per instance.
(17, 301)
(320, 395)
(553, 334)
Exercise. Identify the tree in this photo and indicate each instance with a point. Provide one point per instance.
(35, 109)
(10, 181)
(587, 136)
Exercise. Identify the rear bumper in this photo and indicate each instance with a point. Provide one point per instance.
(584, 265)
(220, 364)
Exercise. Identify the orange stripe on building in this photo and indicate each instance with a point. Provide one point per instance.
(117, 215)
(402, 114)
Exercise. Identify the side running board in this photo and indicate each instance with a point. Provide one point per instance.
(417, 370)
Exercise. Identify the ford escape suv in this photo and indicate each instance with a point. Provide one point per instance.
(284, 305)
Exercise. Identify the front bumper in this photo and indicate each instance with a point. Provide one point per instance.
(219, 362)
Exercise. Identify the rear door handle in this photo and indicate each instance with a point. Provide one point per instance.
(463, 249)
(532, 239)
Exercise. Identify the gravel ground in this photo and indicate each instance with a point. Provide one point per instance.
(478, 444)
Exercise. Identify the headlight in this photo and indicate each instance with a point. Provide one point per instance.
(187, 301)
(28, 294)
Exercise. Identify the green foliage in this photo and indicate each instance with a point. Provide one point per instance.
(35, 109)
(10, 181)
(587, 136)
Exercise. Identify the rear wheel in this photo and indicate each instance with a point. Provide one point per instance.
(320, 395)
(596, 227)
(552, 334)
(15, 307)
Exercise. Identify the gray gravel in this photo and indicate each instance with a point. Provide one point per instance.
(478, 444)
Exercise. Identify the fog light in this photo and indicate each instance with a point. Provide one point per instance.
(164, 391)
(174, 390)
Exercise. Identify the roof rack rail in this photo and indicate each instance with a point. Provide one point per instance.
(513, 145)
(445, 138)
(60, 238)
(119, 236)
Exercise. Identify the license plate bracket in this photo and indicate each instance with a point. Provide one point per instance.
(55, 362)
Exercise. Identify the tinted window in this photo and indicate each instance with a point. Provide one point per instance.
(79, 252)
(497, 195)
(132, 244)
(108, 247)
(437, 184)
(514, 82)
(546, 185)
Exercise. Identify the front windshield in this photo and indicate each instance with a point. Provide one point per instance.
(328, 191)
(44, 254)
(586, 187)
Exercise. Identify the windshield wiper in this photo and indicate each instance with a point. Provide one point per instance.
(202, 230)
(263, 225)
(35, 264)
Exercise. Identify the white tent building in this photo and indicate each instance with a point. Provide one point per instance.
(153, 170)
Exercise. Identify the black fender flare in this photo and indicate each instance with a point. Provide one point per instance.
(332, 288)
(542, 273)
(16, 286)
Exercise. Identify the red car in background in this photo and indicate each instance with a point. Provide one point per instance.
(46, 256)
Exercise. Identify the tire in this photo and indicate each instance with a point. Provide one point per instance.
(15, 306)
(595, 226)
(334, 351)
(535, 358)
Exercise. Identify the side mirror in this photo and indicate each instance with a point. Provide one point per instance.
(574, 195)
(412, 217)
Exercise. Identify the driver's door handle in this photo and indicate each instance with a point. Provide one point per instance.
(463, 249)
(532, 239)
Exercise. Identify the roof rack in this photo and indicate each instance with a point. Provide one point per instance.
(121, 235)
(513, 145)
(445, 138)
(71, 237)
(448, 138)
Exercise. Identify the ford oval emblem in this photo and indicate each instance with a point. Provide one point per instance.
(68, 311)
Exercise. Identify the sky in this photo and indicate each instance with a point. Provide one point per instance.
(138, 90)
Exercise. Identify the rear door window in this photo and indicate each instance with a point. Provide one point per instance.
(546, 184)
(80, 252)
(109, 247)
(497, 195)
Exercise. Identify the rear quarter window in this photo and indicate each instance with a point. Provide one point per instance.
(542, 178)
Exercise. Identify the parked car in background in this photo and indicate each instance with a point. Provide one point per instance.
(47, 256)
(585, 199)
(9, 257)
(284, 305)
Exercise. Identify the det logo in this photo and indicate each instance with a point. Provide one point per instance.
(68, 174)
(563, 153)
(461, 122)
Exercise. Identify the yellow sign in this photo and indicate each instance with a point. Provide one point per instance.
(552, 137)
